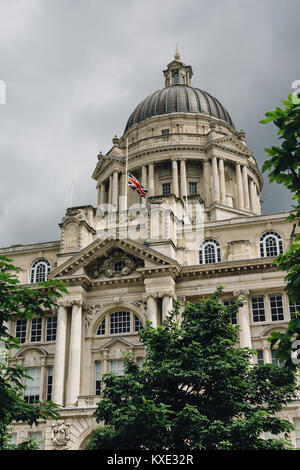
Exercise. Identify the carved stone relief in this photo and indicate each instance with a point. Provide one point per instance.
(117, 264)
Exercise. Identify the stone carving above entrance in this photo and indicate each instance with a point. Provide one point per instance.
(116, 264)
(60, 433)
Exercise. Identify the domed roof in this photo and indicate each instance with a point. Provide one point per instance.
(178, 98)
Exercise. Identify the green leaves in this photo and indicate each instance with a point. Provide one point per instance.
(25, 303)
(196, 389)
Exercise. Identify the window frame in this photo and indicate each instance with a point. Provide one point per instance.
(34, 267)
(262, 244)
(259, 315)
(133, 316)
(31, 383)
(191, 193)
(163, 186)
(217, 251)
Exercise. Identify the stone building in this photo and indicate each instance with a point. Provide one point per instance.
(127, 259)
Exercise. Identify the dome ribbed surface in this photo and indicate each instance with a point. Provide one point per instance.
(178, 99)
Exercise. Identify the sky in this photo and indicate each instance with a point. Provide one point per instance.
(74, 71)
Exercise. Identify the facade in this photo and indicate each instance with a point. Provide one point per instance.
(129, 258)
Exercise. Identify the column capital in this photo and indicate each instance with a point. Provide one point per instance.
(241, 293)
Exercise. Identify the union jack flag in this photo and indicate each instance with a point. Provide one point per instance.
(136, 186)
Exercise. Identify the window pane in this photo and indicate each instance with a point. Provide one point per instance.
(98, 378)
(21, 330)
(32, 390)
(51, 328)
(120, 322)
(260, 356)
(276, 307)
(38, 436)
(258, 309)
(138, 325)
(101, 328)
(275, 361)
(36, 329)
(117, 366)
(294, 309)
(233, 317)
(49, 383)
(166, 189)
(192, 188)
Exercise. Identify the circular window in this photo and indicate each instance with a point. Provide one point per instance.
(119, 266)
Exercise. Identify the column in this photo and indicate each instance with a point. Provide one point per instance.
(167, 305)
(102, 193)
(258, 207)
(122, 198)
(151, 180)
(239, 186)
(110, 189)
(73, 385)
(244, 320)
(252, 197)
(115, 190)
(206, 180)
(98, 196)
(144, 182)
(183, 188)
(245, 187)
(175, 186)
(222, 181)
(216, 185)
(60, 356)
(152, 309)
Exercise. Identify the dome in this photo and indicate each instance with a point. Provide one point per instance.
(178, 98)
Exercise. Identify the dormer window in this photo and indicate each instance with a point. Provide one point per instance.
(175, 78)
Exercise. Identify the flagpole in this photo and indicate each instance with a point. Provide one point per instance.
(126, 177)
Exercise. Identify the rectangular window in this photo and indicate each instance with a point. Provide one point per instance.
(275, 361)
(32, 390)
(233, 318)
(117, 366)
(166, 189)
(260, 356)
(297, 431)
(140, 362)
(38, 436)
(21, 330)
(192, 188)
(36, 329)
(258, 309)
(49, 383)
(120, 322)
(165, 134)
(276, 307)
(12, 439)
(294, 308)
(98, 378)
(51, 328)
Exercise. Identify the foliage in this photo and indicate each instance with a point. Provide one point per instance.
(196, 389)
(283, 164)
(26, 303)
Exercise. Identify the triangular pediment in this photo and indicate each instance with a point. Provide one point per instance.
(112, 259)
(232, 144)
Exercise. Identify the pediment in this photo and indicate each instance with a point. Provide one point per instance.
(232, 144)
(112, 259)
(116, 342)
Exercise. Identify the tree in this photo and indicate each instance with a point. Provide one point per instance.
(196, 389)
(283, 164)
(26, 303)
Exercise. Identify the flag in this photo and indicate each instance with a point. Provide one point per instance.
(136, 186)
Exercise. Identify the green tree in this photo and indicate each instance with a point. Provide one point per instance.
(283, 164)
(26, 303)
(196, 389)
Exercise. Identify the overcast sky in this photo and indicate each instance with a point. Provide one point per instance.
(76, 69)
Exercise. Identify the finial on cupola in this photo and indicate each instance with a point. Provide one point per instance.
(176, 55)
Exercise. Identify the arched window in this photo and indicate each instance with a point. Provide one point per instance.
(270, 244)
(40, 270)
(119, 323)
(210, 252)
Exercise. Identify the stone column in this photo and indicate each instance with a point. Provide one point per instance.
(206, 180)
(244, 320)
(252, 197)
(245, 187)
(144, 182)
(167, 305)
(222, 181)
(258, 207)
(60, 356)
(175, 186)
(151, 180)
(152, 309)
(98, 196)
(102, 194)
(73, 385)
(239, 186)
(110, 189)
(216, 184)
(183, 188)
(115, 190)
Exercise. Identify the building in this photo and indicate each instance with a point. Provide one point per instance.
(200, 226)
